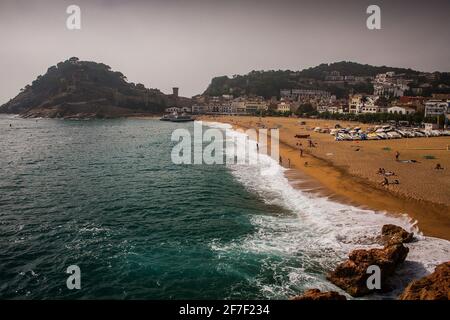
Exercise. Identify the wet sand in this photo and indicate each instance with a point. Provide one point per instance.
(346, 171)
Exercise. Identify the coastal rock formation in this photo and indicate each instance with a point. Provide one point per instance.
(316, 295)
(86, 89)
(435, 286)
(394, 234)
(352, 275)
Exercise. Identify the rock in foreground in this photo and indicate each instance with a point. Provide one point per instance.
(394, 234)
(435, 286)
(316, 295)
(352, 275)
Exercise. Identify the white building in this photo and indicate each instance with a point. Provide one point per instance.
(401, 110)
(198, 109)
(370, 109)
(249, 106)
(359, 103)
(389, 85)
(284, 106)
(173, 109)
(355, 103)
(436, 108)
(304, 94)
(322, 108)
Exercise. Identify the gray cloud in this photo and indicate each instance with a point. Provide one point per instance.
(185, 43)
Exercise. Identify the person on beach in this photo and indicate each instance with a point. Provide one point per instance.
(281, 160)
(438, 167)
(385, 182)
(397, 155)
(257, 147)
(301, 152)
(289, 163)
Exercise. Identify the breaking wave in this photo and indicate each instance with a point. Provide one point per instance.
(319, 233)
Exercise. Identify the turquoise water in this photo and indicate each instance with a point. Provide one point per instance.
(104, 195)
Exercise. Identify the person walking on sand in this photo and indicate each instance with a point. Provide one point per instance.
(301, 152)
(281, 160)
(289, 163)
(397, 155)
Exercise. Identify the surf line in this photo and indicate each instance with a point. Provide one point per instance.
(192, 310)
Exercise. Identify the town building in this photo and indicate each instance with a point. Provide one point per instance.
(359, 103)
(371, 109)
(284, 106)
(173, 109)
(198, 109)
(436, 108)
(401, 110)
(304, 95)
(415, 102)
(355, 103)
(390, 85)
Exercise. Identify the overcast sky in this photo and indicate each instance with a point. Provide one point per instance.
(165, 43)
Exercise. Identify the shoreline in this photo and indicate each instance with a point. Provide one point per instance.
(321, 176)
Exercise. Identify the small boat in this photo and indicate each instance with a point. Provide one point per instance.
(401, 133)
(343, 137)
(372, 136)
(393, 135)
(333, 132)
(166, 117)
(435, 133)
(182, 118)
(174, 117)
(382, 135)
(409, 134)
(418, 133)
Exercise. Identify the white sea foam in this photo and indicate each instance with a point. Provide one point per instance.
(321, 232)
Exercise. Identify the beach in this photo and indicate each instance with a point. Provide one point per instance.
(346, 171)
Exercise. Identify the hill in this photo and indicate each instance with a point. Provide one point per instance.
(269, 83)
(75, 88)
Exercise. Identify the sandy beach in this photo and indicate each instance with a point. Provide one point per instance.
(347, 170)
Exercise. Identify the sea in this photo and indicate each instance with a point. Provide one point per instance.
(105, 196)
